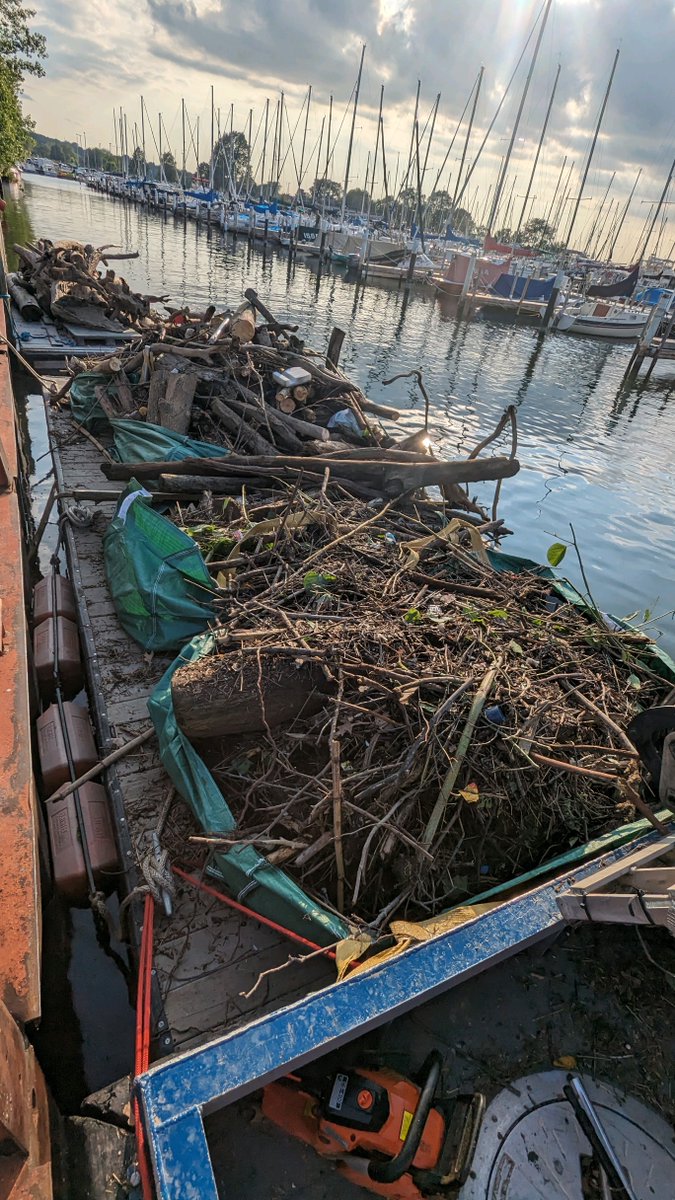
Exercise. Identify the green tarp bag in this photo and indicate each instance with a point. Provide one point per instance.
(159, 582)
(141, 441)
(247, 875)
(84, 404)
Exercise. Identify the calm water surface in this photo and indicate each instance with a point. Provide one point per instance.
(592, 453)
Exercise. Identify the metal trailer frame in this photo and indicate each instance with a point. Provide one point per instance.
(179, 1092)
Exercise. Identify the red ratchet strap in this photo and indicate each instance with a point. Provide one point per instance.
(248, 912)
(143, 1037)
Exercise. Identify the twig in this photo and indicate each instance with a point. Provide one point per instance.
(583, 571)
(602, 716)
(293, 958)
(417, 374)
(511, 413)
(114, 756)
(337, 797)
(543, 760)
(464, 742)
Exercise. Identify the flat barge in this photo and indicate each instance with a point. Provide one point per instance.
(224, 1013)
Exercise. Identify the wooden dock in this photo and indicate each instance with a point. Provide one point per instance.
(206, 956)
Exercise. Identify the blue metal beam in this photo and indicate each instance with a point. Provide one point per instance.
(177, 1092)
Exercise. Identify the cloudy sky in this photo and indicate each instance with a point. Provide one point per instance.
(106, 53)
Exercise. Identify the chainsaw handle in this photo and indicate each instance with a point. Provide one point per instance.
(389, 1172)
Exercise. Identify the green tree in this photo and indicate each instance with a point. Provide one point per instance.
(21, 54)
(327, 191)
(505, 235)
(537, 232)
(169, 165)
(204, 172)
(137, 164)
(463, 222)
(357, 199)
(231, 162)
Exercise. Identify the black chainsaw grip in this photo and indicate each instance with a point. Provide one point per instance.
(389, 1172)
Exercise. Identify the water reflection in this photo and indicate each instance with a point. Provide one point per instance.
(593, 451)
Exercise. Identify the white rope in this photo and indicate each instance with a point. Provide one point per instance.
(158, 876)
(79, 515)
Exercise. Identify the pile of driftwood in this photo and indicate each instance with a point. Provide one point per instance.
(243, 380)
(391, 718)
(63, 280)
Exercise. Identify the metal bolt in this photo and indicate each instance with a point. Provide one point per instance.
(161, 1024)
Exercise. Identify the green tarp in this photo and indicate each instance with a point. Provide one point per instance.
(248, 876)
(159, 582)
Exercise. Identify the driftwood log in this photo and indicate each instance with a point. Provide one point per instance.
(26, 303)
(218, 696)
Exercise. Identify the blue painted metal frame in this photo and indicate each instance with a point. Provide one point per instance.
(177, 1092)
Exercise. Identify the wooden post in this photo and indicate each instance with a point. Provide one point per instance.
(334, 350)
(411, 272)
(553, 299)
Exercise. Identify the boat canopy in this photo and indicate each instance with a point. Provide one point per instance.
(623, 287)
(209, 196)
(523, 286)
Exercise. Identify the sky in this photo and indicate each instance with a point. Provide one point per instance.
(106, 54)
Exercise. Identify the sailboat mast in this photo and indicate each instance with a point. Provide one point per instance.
(351, 132)
(624, 214)
(468, 136)
(212, 165)
(115, 133)
(556, 189)
(536, 157)
(516, 124)
(248, 156)
(318, 160)
(329, 150)
(377, 150)
(182, 115)
(145, 161)
(598, 215)
(658, 210)
(280, 163)
(591, 152)
(304, 139)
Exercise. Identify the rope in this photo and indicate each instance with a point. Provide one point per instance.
(79, 515)
(158, 878)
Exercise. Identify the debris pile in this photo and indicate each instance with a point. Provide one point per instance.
(393, 719)
(62, 279)
(284, 412)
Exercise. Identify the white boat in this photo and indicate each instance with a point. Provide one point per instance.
(598, 318)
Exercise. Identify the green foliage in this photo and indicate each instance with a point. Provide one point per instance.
(537, 232)
(463, 222)
(357, 199)
(21, 54)
(169, 165)
(327, 191)
(230, 162)
(21, 50)
(556, 553)
(15, 127)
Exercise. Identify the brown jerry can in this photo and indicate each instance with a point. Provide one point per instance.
(52, 747)
(43, 597)
(70, 873)
(45, 638)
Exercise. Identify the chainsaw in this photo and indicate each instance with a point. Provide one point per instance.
(387, 1134)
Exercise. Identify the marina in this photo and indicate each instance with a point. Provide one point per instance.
(337, 757)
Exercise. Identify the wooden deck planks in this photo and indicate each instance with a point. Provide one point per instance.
(206, 955)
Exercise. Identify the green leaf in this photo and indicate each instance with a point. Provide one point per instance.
(556, 553)
(515, 648)
(498, 612)
(648, 614)
(634, 682)
(413, 616)
(318, 581)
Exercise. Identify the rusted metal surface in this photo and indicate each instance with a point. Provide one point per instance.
(20, 889)
(25, 1162)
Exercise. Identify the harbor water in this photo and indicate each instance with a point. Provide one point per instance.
(595, 455)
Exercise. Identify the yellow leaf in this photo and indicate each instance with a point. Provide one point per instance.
(296, 520)
(470, 793)
(567, 1061)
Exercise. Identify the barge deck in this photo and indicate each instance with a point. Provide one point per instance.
(206, 956)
